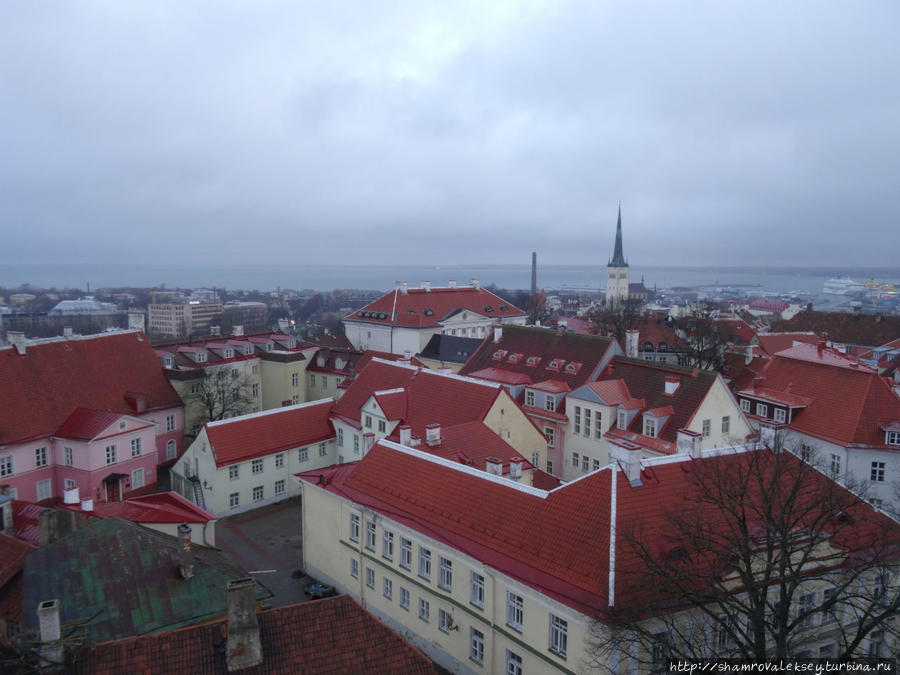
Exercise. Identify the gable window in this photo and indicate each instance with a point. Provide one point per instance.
(762, 410)
(515, 609)
(650, 426)
(445, 573)
(170, 422)
(577, 420)
(405, 553)
(587, 422)
(234, 472)
(536, 459)
(387, 544)
(295, 379)
(835, 466)
(425, 563)
(726, 424)
(135, 447)
(559, 629)
(529, 398)
(707, 428)
(622, 421)
(111, 454)
(370, 535)
(40, 456)
(476, 590)
(340, 437)
(354, 527)
(382, 426)
(550, 404)
(877, 473)
(745, 405)
(256, 466)
(550, 433)
(778, 414)
(67, 456)
(368, 422)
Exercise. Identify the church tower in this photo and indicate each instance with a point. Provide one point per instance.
(617, 270)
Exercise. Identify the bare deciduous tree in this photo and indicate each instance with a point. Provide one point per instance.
(702, 339)
(615, 319)
(222, 393)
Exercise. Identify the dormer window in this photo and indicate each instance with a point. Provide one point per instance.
(514, 358)
(248, 350)
(778, 414)
(572, 367)
(622, 421)
(650, 428)
(532, 361)
(201, 357)
(499, 354)
(550, 404)
(892, 437)
(529, 398)
(269, 346)
(745, 405)
(338, 363)
(555, 364)
(320, 361)
(229, 353)
(762, 410)
(662, 347)
(169, 362)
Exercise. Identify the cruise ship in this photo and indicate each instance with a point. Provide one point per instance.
(843, 286)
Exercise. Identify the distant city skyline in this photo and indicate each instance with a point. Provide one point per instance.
(215, 134)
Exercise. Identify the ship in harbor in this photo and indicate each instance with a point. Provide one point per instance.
(843, 286)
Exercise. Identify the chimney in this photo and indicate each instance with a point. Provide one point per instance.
(631, 343)
(237, 331)
(426, 285)
(283, 325)
(628, 455)
(6, 517)
(433, 434)
(368, 441)
(17, 339)
(401, 286)
(515, 468)
(407, 358)
(672, 384)
(136, 321)
(70, 495)
(494, 466)
(748, 356)
(51, 650)
(498, 333)
(405, 435)
(185, 557)
(214, 330)
(452, 283)
(243, 648)
(54, 524)
(689, 443)
(67, 332)
(475, 283)
(809, 307)
(87, 504)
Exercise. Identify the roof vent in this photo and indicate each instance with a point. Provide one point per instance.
(185, 557)
(672, 384)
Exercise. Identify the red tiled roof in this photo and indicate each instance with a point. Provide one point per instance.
(655, 331)
(863, 329)
(576, 324)
(333, 635)
(775, 396)
(242, 438)
(770, 343)
(543, 480)
(159, 507)
(418, 308)
(474, 442)
(40, 389)
(735, 330)
(611, 392)
(12, 557)
(825, 356)
(501, 376)
(847, 404)
(553, 387)
(85, 424)
(546, 344)
(769, 305)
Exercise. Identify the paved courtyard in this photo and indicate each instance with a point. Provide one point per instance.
(267, 543)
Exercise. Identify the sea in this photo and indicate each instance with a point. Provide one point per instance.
(799, 281)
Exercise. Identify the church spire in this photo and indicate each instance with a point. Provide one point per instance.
(618, 259)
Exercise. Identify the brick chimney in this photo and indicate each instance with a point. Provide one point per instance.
(51, 650)
(433, 434)
(243, 648)
(185, 557)
(17, 339)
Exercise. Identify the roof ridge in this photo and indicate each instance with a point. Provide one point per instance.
(263, 413)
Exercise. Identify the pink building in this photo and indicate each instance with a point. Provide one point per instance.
(91, 412)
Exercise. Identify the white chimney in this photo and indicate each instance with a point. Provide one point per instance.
(67, 332)
(452, 283)
(185, 557)
(402, 286)
(405, 435)
(237, 331)
(87, 504)
(51, 650)
(689, 443)
(214, 330)
(427, 286)
(433, 434)
(515, 468)
(498, 333)
(243, 647)
(17, 339)
(70, 495)
(475, 283)
(136, 321)
(494, 466)
(628, 455)
(283, 325)
(631, 343)
(368, 441)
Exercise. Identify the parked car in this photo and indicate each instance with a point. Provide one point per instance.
(318, 590)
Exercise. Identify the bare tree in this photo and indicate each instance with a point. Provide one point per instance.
(616, 318)
(764, 557)
(223, 393)
(703, 341)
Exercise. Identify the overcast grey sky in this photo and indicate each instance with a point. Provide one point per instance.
(440, 132)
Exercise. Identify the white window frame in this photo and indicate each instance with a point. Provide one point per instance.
(303, 455)
(170, 422)
(445, 621)
(171, 449)
(587, 422)
(387, 588)
(387, 544)
(559, 630)
(550, 403)
(256, 466)
(778, 414)
(745, 405)
(476, 589)
(404, 598)
(323, 450)
(234, 472)
(876, 473)
(476, 646)
(279, 460)
(44, 489)
(370, 535)
(424, 610)
(370, 578)
(135, 447)
(445, 573)
(550, 433)
(405, 553)
(112, 454)
(515, 611)
(762, 410)
(354, 527)
(424, 563)
(354, 568)
(68, 456)
(726, 424)
(280, 487)
(137, 478)
(234, 500)
(513, 663)
(706, 428)
(529, 398)
(40, 456)
(6, 465)
(576, 422)
(257, 494)
(649, 426)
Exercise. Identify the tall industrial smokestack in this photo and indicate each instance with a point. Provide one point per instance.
(534, 272)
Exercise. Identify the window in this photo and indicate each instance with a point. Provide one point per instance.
(829, 611)
(476, 645)
(513, 663)
(596, 466)
(877, 503)
(587, 422)
(745, 405)
(254, 369)
(295, 380)
(322, 450)
(387, 544)
(387, 588)
(706, 426)
(424, 609)
(370, 577)
(577, 420)
(558, 635)
(303, 455)
(354, 568)
(835, 466)
(536, 459)
(445, 573)
(550, 433)
(622, 420)
(279, 487)
(171, 449)
(256, 466)
(778, 414)
(877, 473)
(404, 599)
(137, 479)
(659, 653)
(170, 422)
(425, 563)
(476, 590)
(43, 489)
(355, 444)
(368, 423)
(762, 410)
(195, 388)
(258, 493)
(234, 472)
(549, 466)
(40, 456)
(312, 380)
(234, 371)
(111, 454)
(550, 403)
(254, 390)
(370, 535)
(68, 460)
(236, 394)
(68, 484)
(585, 462)
(892, 438)
(279, 460)
(135, 447)
(354, 527)
(340, 437)
(650, 426)
(598, 426)
(726, 424)
(405, 553)
(575, 459)
(727, 625)
(445, 621)
(529, 398)
(234, 500)
(514, 610)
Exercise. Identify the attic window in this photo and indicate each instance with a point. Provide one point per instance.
(555, 364)
(248, 350)
(532, 361)
(499, 354)
(428, 312)
(663, 347)
(892, 437)
(573, 367)
(488, 308)
(201, 357)
(410, 311)
(229, 353)
(504, 308)
(168, 362)
(650, 428)
(515, 358)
